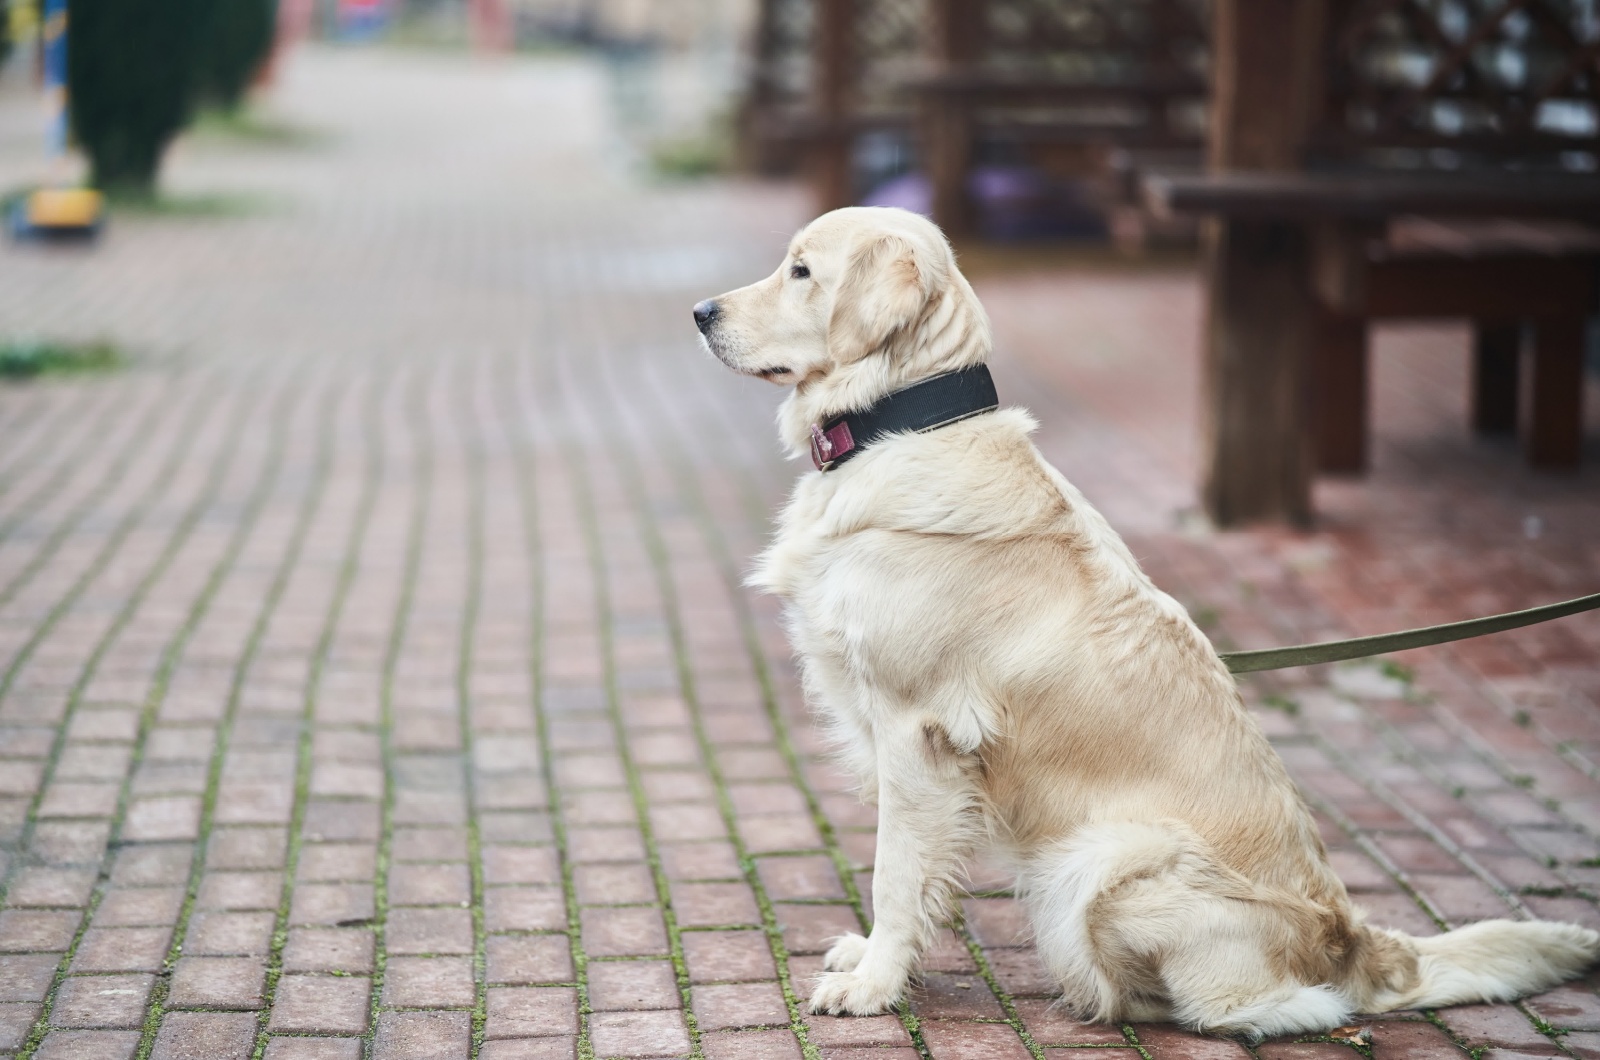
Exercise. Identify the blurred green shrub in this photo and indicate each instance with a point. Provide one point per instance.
(131, 79)
(236, 40)
(704, 155)
(27, 358)
(5, 30)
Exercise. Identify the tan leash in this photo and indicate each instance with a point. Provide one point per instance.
(1244, 662)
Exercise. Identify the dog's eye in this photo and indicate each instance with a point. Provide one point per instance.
(798, 272)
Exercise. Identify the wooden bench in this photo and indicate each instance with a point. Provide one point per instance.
(1344, 185)
(1056, 79)
(1372, 257)
(1067, 82)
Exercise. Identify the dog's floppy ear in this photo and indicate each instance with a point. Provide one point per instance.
(882, 290)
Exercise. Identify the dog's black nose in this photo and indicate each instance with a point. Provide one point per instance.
(704, 313)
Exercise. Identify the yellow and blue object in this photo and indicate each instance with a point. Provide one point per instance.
(56, 212)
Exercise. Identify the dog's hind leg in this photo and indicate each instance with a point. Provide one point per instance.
(1136, 916)
(929, 821)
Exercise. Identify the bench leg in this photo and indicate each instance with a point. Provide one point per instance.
(1496, 346)
(947, 141)
(1552, 421)
(1339, 387)
(831, 177)
(1260, 328)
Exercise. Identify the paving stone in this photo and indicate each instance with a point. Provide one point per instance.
(314, 1049)
(26, 977)
(337, 862)
(422, 1036)
(314, 1004)
(229, 934)
(639, 1034)
(1405, 1040)
(948, 1040)
(530, 1049)
(25, 930)
(1169, 1043)
(524, 909)
(205, 1036)
(509, 864)
(122, 950)
(531, 1012)
(945, 996)
(840, 1032)
(153, 864)
(112, 1001)
(429, 885)
(623, 932)
(526, 959)
(1492, 1025)
(1570, 1007)
(218, 983)
(714, 904)
(713, 860)
(725, 1005)
(138, 907)
(164, 817)
(240, 890)
(247, 848)
(88, 1045)
(38, 886)
(727, 956)
(635, 985)
(1050, 1024)
(441, 931)
(751, 1045)
(621, 883)
(345, 950)
(16, 1023)
(799, 878)
(429, 982)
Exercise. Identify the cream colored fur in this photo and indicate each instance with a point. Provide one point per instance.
(997, 670)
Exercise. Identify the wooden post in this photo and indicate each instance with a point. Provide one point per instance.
(1262, 315)
(834, 63)
(946, 117)
(1552, 420)
(1496, 346)
(1339, 393)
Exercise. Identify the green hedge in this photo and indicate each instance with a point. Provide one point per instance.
(132, 79)
(237, 37)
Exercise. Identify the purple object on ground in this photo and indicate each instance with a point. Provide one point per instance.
(909, 191)
(1014, 203)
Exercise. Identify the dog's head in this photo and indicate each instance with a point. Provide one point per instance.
(867, 300)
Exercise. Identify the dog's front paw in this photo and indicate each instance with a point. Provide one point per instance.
(845, 953)
(849, 994)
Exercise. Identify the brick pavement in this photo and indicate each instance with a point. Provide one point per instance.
(377, 681)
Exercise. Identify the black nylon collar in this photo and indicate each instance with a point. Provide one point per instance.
(924, 406)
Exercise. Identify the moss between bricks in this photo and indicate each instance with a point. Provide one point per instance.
(180, 533)
(469, 624)
(280, 581)
(589, 518)
(527, 497)
(132, 449)
(415, 532)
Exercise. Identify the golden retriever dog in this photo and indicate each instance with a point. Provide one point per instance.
(996, 669)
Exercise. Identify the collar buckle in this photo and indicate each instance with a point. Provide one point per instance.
(830, 444)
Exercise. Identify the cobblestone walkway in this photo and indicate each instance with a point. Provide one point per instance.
(375, 679)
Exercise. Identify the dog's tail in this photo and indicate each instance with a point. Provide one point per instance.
(1496, 960)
